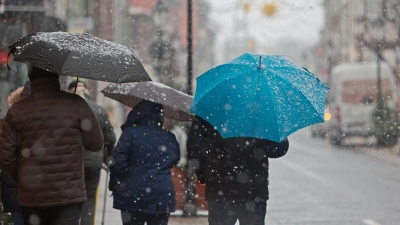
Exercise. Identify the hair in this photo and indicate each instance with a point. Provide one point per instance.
(36, 73)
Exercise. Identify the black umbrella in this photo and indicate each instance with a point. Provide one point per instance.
(79, 55)
(176, 104)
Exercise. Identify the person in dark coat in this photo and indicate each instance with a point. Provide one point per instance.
(235, 171)
(9, 190)
(93, 161)
(140, 177)
(41, 142)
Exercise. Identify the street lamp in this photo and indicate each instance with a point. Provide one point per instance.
(160, 13)
(159, 48)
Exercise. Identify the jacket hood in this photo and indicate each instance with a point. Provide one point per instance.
(145, 113)
(20, 93)
(15, 96)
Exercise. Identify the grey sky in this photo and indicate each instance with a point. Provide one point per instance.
(295, 28)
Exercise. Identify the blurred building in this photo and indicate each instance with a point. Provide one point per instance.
(142, 36)
(354, 28)
(17, 19)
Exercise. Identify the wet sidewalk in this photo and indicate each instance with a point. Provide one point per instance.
(113, 216)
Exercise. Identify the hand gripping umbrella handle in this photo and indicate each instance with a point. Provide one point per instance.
(8, 56)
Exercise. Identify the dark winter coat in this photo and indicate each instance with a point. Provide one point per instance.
(41, 145)
(233, 168)
(9, 192)
(140, 172)
(96, 159)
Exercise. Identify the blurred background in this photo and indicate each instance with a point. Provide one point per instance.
(353, 46)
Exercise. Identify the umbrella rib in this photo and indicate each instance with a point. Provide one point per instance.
(311, 102)
(196, 96)
(273, 108)
(112, 64)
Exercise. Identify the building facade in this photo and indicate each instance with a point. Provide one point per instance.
(354, 29)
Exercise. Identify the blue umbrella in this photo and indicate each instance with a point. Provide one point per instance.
(260, 96)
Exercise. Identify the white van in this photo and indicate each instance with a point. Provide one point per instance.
(352, 97)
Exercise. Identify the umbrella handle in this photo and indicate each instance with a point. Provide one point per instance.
(8, 56)
(259, 65)
(76, 84)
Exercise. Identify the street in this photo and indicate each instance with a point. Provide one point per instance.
(318, 184)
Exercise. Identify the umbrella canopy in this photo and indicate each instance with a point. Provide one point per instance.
(79, 55)
(260, 96)
(175, 103)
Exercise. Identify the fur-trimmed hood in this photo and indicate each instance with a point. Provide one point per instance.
(18, 94)
(15, 96)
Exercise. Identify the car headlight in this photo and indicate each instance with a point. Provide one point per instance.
(327, 116)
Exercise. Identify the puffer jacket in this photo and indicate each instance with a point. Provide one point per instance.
(232, 168)
(140, 176)
(96, 159)
(41, 145)
(9, 192)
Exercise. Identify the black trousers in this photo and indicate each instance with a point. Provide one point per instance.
(92, 178)
(227, 213)
(54, 215)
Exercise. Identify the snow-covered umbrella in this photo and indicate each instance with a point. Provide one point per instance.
(176, 103)
(79, 55)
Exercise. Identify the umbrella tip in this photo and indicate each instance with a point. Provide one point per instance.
(259, 65)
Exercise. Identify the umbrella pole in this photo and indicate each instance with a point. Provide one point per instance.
(105, 196)
(76, 84)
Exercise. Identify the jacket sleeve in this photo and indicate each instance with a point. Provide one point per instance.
(177, 153)
(108, 133)
(276, 150)
(8, 148)
(92, 136)
(120, 155)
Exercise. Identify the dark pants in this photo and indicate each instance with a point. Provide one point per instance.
(54, 215)
(92, 178)
(226, 213)
(17, 218)
(136, 218)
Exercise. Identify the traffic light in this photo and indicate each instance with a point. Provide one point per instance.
(3, 58)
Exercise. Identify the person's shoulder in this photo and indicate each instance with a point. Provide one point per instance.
(70, 95)
(96, 106)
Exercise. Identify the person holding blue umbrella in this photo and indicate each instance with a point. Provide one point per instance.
(245, 110)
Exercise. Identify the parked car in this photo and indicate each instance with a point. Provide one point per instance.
(353, 96)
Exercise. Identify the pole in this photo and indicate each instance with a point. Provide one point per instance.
(378, 72)
(189, 48)
(105, 196)
(189, 207)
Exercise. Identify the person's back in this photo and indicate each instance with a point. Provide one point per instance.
(49, 124)
(239, 170)
(41, 148)
(235, 171)
(140, 172)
